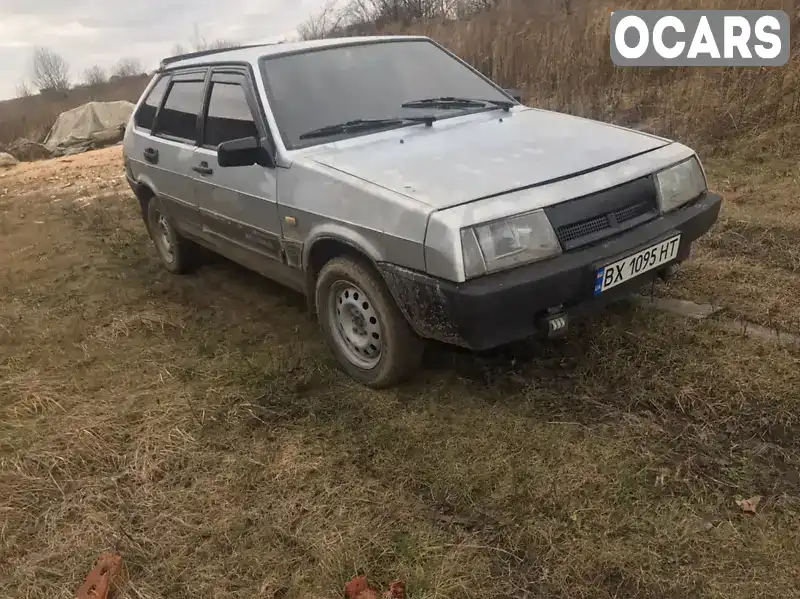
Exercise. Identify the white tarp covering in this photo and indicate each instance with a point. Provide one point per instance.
(88, 125)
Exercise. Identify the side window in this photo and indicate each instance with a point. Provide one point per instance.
(229, 115)
(147, 111)
(178, 117)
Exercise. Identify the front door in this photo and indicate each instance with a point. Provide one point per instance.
(237, 205)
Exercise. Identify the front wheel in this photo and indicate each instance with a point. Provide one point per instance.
(361, 322)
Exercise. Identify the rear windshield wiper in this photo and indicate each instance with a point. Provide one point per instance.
(447, 102)
(365, 125)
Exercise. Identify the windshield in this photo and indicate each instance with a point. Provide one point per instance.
(323, 88)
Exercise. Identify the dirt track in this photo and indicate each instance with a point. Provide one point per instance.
(198, 425)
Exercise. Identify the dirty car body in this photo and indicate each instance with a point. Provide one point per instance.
(487, 220)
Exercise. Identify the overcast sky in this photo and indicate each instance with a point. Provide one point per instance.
(99, 32)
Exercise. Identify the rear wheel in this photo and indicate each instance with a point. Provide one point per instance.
(177, 253)
(364, 327)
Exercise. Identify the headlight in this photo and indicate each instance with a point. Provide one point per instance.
(505, 243)
(680, 184)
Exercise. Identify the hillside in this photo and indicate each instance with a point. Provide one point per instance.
(562, 62)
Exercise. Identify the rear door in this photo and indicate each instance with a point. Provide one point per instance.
(238, 205)
(139, 139)
(170, 147)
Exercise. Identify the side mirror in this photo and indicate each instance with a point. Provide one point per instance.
(246, 151)
(516, 94)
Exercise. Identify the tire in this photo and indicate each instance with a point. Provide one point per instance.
(368, 334)
(177, 254)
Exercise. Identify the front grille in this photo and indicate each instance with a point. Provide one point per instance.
(582, 229)
(630, 212)
(594, 225)
(592, 218)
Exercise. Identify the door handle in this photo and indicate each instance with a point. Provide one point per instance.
(151, 155)
(203, 169)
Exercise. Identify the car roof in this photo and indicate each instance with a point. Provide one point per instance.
(251, 54)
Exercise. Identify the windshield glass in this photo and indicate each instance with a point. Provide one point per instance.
(321, 88)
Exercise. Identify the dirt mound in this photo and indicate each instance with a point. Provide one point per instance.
(7, 160)
(27, 150)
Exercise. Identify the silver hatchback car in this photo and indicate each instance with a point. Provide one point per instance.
(405, 194)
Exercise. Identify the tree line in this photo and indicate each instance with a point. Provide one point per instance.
(49, 71)
(339, 18)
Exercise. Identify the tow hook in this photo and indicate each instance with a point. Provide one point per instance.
(555, 323)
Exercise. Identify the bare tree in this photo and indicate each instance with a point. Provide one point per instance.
(382, 12)
(221, 44)
(94, 76)
(467, 7)
(49, 70)
(323, 24)
(127, 67)
(23, 89)
(358, 17)
(200, 44)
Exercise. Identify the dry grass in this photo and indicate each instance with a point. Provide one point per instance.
(750, 263)
(199, 425)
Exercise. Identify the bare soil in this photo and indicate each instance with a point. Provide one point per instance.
(199, 426)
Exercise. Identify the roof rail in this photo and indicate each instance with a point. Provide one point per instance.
(178, 57)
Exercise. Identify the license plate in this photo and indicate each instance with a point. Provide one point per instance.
(631, 267)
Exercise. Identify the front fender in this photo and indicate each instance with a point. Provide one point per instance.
(342, 234)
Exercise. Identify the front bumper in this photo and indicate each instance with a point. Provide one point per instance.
(497, 309)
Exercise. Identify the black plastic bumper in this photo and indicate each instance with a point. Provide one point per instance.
(500, 308)
(142, 194)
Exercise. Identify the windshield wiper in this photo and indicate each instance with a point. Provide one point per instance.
(447, 102)
(365, 125)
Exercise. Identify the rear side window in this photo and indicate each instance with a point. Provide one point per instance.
(178, 117)
(229, 115)
(147, 111)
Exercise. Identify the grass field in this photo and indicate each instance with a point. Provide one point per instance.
(198, 425)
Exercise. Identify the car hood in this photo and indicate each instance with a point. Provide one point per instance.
(467, 158)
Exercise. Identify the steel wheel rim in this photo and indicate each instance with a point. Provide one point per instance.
(164, 239)
(355, 325)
